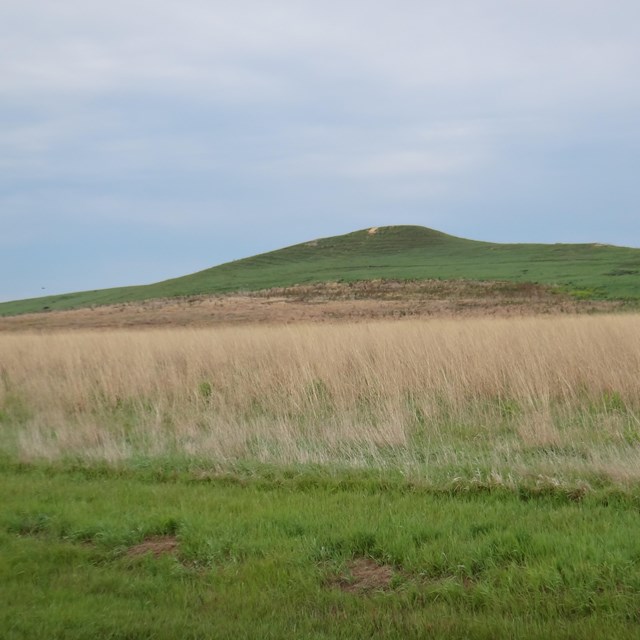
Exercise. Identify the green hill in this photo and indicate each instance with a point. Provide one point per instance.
(397, 252)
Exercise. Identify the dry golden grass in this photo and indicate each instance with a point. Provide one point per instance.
(556, 397)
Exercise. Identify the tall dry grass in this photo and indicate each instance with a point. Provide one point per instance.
(549, 396)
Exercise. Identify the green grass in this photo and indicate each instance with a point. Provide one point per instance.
(398, 252)
(267, 555)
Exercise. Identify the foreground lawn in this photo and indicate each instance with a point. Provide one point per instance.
(276, 554)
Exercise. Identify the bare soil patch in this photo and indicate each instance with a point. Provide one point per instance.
(156, 545)
(327, 302)
(364, 574)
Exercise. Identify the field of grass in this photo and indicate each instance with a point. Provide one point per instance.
(152, 554)
(401, 252)
(552, 400)
(450, 479)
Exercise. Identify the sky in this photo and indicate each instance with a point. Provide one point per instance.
(148, 139)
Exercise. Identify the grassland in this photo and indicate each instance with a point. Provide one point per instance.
(450, 478)
(392, 253)
(491, 400)
(97, 553)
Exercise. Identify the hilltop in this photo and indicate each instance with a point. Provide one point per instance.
(405, 253)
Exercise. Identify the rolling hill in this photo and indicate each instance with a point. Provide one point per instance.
(395, 252)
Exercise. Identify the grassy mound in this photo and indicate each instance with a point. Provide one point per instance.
(397, 252)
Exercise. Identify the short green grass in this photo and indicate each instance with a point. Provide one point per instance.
(267, 555)
(399, 252)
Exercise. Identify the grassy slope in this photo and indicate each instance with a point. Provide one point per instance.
(399, 252)
(264, 557)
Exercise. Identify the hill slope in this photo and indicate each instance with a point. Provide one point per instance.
(397, 252)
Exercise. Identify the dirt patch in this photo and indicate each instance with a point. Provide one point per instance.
(326, 302)
(364, 574)
(157, 546)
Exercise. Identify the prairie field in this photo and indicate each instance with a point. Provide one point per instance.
(552, 400)
(445, 478)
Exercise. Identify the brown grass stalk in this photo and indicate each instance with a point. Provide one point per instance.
(515, 393)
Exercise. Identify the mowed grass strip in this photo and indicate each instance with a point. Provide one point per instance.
(126, 556)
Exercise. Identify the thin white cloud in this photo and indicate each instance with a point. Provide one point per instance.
(418, 163)
(538, 53)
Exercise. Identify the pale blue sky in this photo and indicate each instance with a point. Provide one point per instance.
(143, 140)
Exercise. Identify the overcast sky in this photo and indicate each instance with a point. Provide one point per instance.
(147, 139)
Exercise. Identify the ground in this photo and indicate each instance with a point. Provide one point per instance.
(331, 302)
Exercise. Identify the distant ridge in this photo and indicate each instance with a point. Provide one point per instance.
(401, 252)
